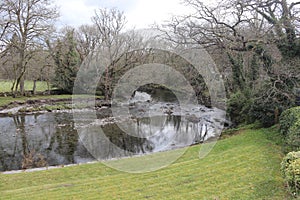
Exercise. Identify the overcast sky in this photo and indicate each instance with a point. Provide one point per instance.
(139, 13)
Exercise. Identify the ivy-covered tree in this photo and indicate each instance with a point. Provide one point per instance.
(257, 41)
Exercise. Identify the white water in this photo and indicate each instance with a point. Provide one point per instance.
(140, 97)
(11, 110)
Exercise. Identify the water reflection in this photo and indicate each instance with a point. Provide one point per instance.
(37, 140)
(28, 141)
(142, 135)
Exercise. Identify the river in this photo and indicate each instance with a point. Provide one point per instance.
(51, 139)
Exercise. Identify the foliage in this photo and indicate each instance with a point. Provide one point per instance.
(290, 169)
(237, 75)
(256, 50)
(288, 119)
(289, 49)
(270, 101)
(253, 75)
(33, 160)
(298, 97)
(290, 128)
(238, 107)
(67, 61)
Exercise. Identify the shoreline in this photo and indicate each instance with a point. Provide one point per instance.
(42, 104)
(30, 170)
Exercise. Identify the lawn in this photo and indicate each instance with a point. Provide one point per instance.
(244, 166)
(5, 86)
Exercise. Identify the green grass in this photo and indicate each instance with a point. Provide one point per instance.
(5, 86)
(244, 166)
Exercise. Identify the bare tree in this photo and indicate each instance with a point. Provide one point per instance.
(29, 21)
(258, 39)
(283, 18)
(109, 24)
(87, 40)
(228, 25)
(221, 28)
(230, 22)
(42, 68)
(3, 25)
(236, 27)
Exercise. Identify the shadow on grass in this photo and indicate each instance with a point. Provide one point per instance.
(268, 190)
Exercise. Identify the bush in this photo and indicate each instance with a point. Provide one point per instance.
(269, 103)
(293, 137)
(290, 129)
(290, 168)
(238, 107)
(264, 112)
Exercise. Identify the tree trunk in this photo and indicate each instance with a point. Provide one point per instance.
(22, 86)
(17, 84)
(34, 87)
(48, 87)
(288, 26)
(21, 71)
(276, 115)
(13, 89)
(106, 84)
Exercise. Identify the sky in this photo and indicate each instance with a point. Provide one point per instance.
(139, 13)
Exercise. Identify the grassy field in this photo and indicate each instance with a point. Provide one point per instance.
(244, 166)
(5, 86)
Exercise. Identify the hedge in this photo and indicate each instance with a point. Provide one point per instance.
(290, 168)
(290, 129)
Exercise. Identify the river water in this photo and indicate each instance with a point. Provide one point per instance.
(51, 139)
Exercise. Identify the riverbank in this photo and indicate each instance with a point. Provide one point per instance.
(244, 166)
(10, 105)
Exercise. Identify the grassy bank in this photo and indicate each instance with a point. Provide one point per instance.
(244, 166)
